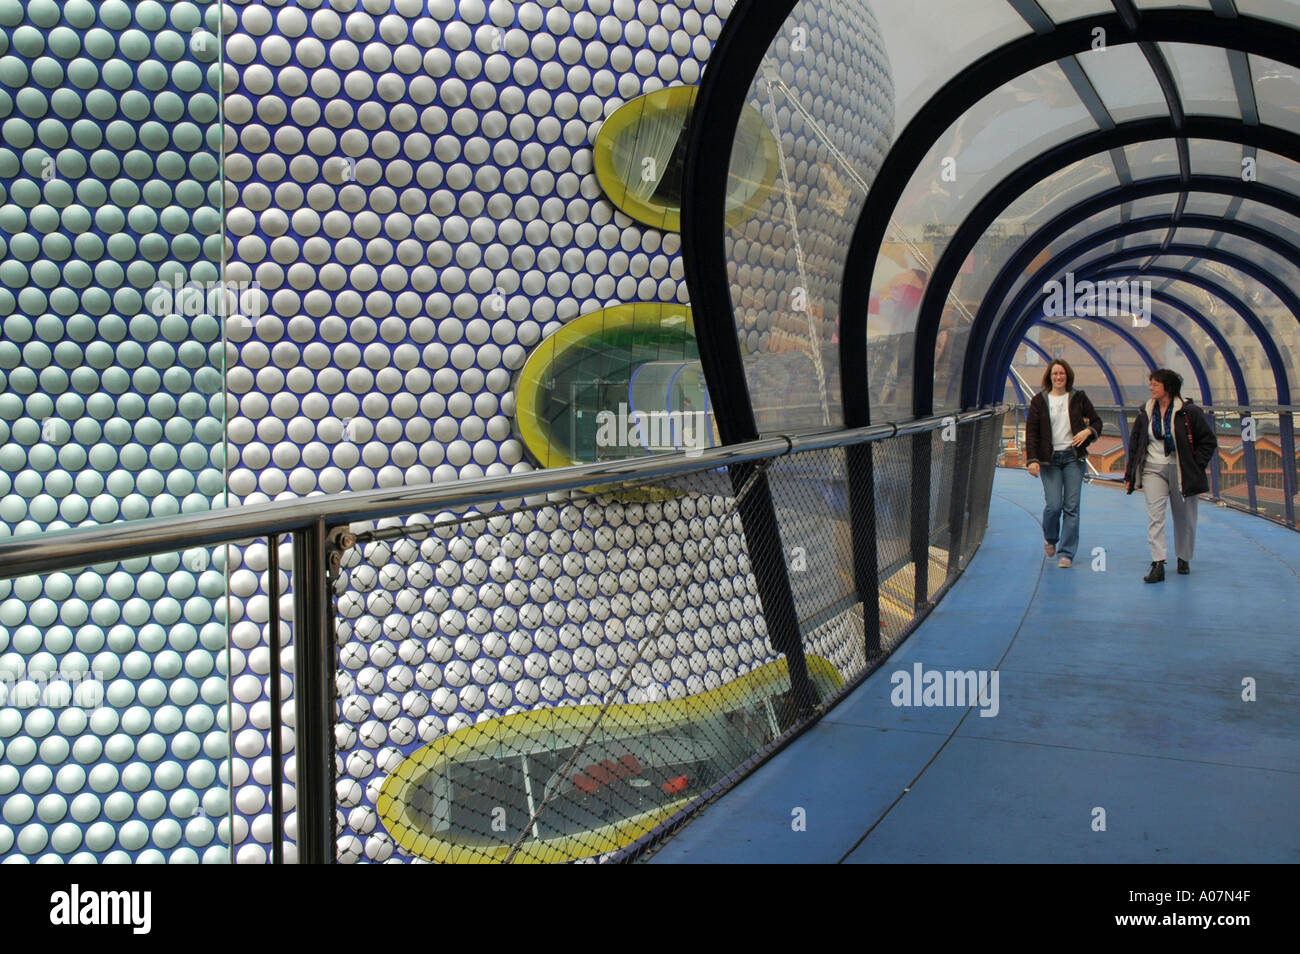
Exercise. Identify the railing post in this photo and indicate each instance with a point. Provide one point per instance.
(1286, 443)
(762, 530)
(861, 465)
(1252, 466)
(313, 696)
(959, 503)
(920, 530)
(1121, 420)
(1216, 462)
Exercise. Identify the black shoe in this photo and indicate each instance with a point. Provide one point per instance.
(1183, 568)
(1157, 574)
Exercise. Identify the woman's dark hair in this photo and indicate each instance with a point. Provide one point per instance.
(1171, 381)
(1069, 374)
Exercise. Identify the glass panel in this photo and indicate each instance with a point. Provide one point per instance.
(1158, 157)
(118, 320)
(925, 52)
(1213, 158)
(1277, 171)
(1088, 376)
(1273, 315)
(1063, 11)
(1203, 78)
(1277, 91)
(1177, 5)
(989, 141)
(1105, 219)
(112, 400)
(1186, 236)
(787, 259)
(1152, 205)
(1275, 221)
(1149, 237)
(1039, 205)
(1205, 203)
(1202, 346)
(115, 737)
(1124, 81)
(1279, 11)
(1065, 189)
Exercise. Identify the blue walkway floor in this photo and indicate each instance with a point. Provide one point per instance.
(1118, 703)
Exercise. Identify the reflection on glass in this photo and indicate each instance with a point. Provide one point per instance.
(622, 382)
(640, 158)
(530, 779)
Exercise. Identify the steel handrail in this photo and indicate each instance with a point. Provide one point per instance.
(51, 551)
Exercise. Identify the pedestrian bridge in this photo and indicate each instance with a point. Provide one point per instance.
(1134, 723)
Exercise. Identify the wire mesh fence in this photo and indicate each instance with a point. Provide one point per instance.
(568, 678)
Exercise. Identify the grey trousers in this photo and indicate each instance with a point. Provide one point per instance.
(1160, 484)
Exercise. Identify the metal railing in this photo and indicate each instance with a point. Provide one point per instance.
(802, 474)
(1256, 469)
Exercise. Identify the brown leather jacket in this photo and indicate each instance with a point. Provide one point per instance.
(1038, 429)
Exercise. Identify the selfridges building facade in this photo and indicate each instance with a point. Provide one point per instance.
(258, 251)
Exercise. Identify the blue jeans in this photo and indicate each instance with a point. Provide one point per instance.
(1062, 483)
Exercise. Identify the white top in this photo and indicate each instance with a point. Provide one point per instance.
(1058, 406)
(1156, 455)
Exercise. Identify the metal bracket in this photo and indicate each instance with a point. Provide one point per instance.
(336, 542)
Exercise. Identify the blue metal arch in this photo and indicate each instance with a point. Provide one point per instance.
(1216, 336)
(1278, 366)
(1266, 341)
(1084, 343)
(1032, 289)
(1087, 346)
(989, 309)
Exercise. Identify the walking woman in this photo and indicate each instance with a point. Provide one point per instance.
(1062, 423)
(1168, 451)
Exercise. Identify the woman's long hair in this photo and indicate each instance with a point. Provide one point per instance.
(1069, 374)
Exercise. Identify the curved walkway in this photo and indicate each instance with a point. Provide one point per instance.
(1121, 732)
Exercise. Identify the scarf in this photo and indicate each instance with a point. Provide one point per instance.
(1163, 428)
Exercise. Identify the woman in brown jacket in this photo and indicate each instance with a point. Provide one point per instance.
(1062, 423)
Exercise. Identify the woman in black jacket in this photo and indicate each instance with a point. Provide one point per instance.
(1168, 451)
(1062, 423)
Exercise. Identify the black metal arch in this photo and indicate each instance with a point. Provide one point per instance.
(1286, 429)
(733, 63)
(1026, 308)
(1206, 326)
(964, 241)
(1248, 315)
(1189, 311)
(1027, 312)
(1278, 366)
(966, 89)
(1057, 265)
(1066, 220)
(1087, 346)
(1287, 438)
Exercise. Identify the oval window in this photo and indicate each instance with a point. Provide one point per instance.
(640, 156)
(622, 382)
(528, 780)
